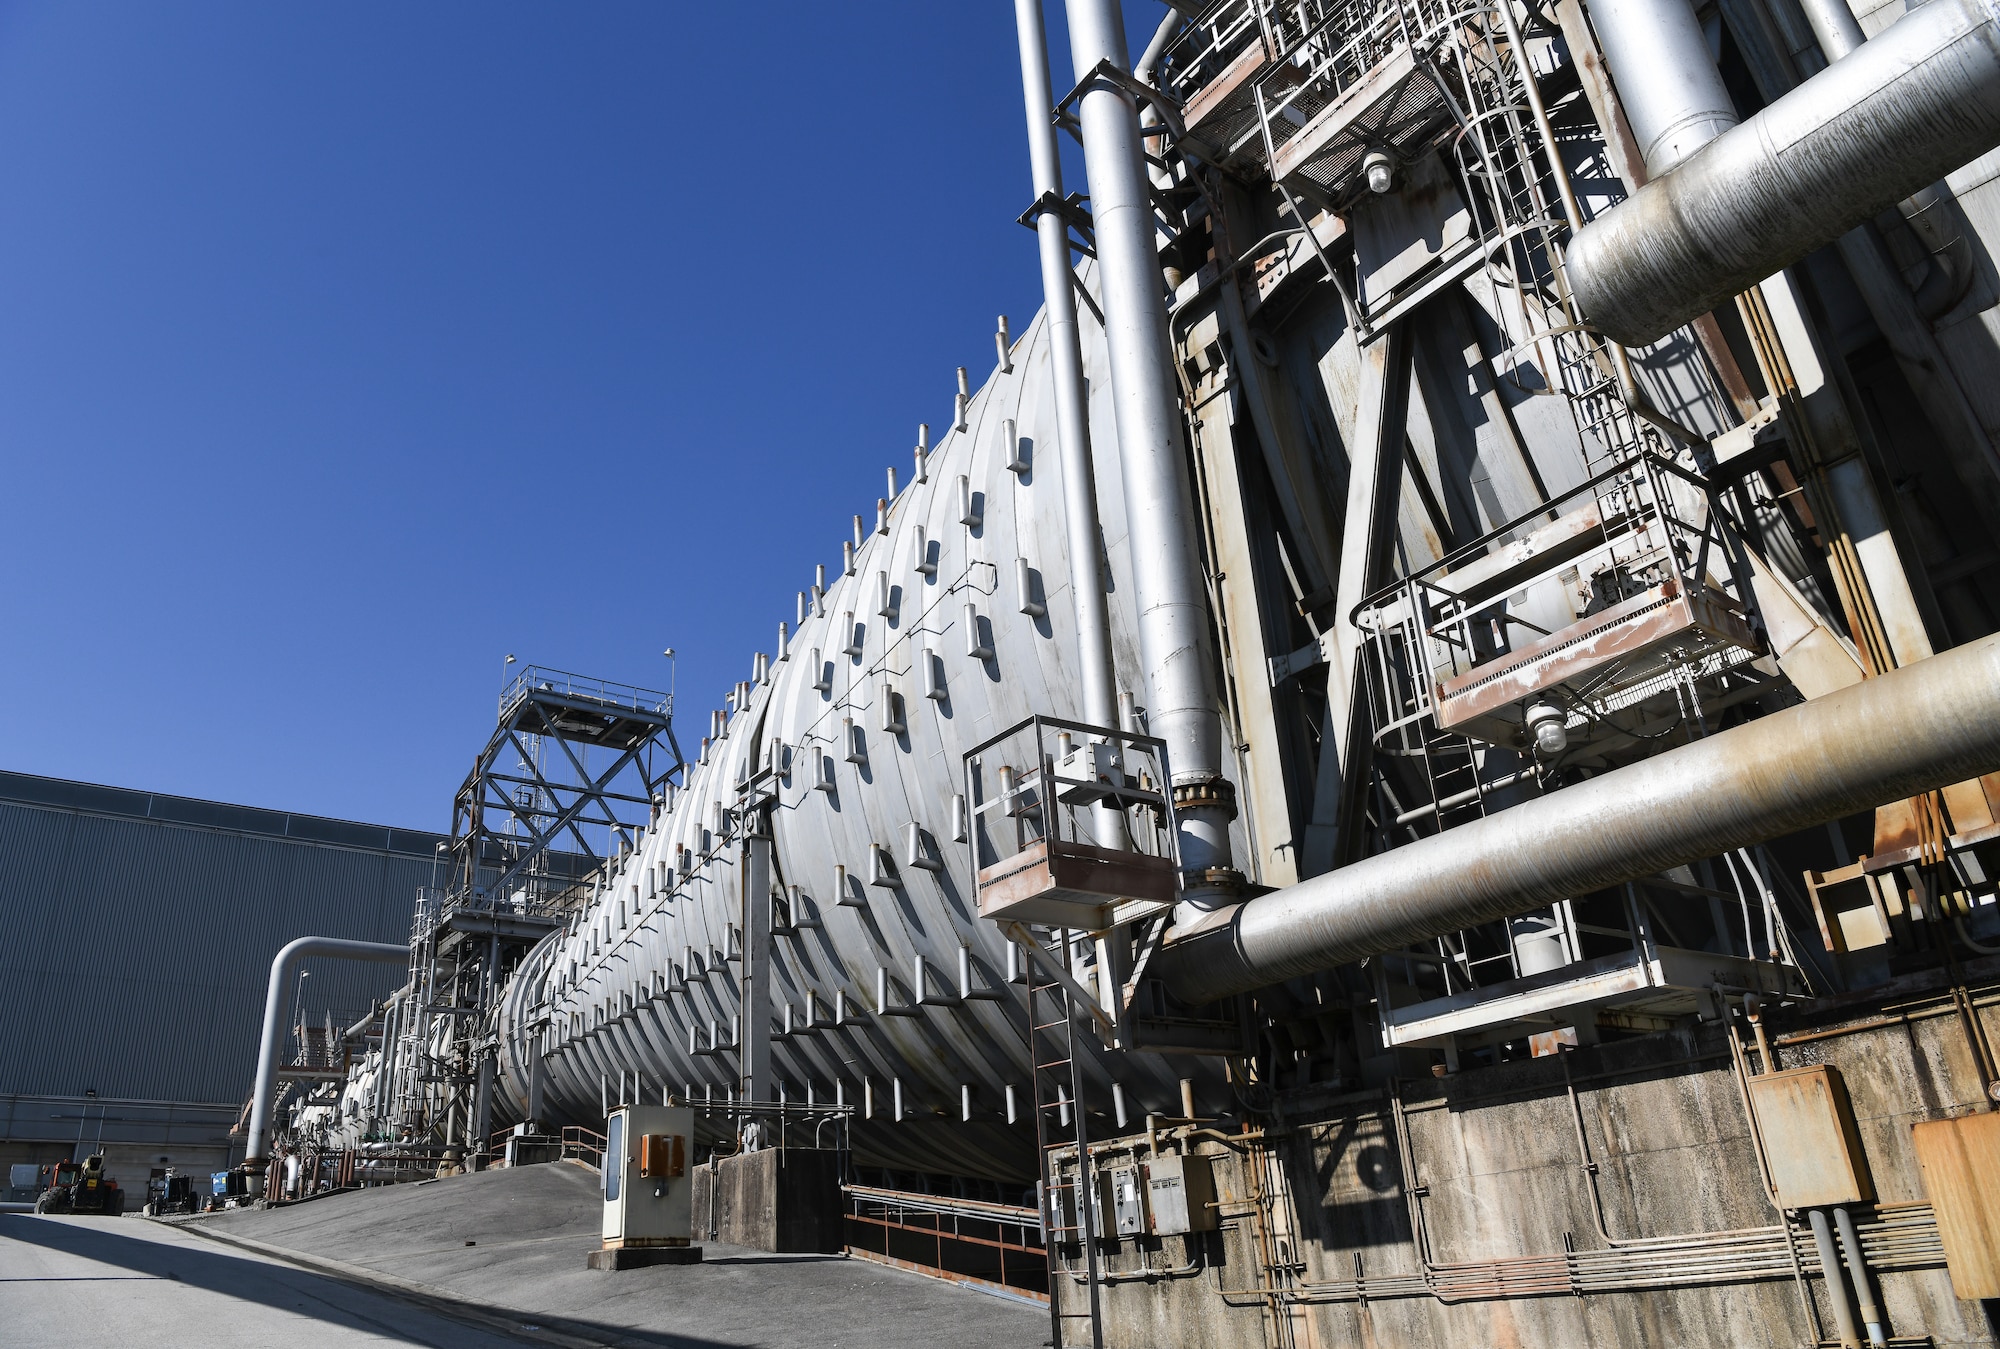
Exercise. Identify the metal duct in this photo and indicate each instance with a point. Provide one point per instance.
(1913, 730)
(1667, 82)
(1900, 112)
(1174, 635)
(258, 1149)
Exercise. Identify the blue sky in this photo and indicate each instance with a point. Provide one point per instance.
(346, 348)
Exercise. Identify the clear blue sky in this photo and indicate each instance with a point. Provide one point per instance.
(346, 348)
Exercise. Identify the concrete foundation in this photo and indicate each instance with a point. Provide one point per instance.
(1611, 1195)
(642, 1257)
(779, 1201)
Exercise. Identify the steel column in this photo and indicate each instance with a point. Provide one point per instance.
(1174, 633)
(1079, 473)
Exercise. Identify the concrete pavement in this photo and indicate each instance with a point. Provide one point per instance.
(474, 1261)
(111, 1283)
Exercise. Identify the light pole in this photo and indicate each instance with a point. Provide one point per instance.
(298, 1002)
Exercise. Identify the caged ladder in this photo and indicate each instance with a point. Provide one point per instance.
(1068, 1211)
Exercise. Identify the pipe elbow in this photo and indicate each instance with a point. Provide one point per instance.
(1896, 115)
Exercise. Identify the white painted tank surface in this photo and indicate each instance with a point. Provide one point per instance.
(647, 964)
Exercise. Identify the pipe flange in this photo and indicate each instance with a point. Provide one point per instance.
(1215, 878)
(1206, 794)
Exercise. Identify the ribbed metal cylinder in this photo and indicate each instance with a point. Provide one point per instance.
(1924, 726)
(1901, 111)
(618, 993)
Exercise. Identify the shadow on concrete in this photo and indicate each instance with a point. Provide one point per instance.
(761, 1259)
(301, 1292)
(277, 1286)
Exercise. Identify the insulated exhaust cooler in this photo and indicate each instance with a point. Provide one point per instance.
(1913, 730)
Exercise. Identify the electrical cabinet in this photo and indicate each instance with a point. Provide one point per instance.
(1960, 1159)
(647, 1187)
(1180, 1195)
(1810, 1140)
(1125, 1195)
(1059, 1217)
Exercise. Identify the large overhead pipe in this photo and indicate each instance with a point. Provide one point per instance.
(1893, 116)
(1174, 639)
(1913, 730)
(282, 965)
(1079, 474)
(1667, 82)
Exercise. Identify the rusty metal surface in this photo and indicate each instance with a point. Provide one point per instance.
(1071, 884)
(1809, 1137)
(1648, 623)
(1913, 730)
(1960, 1161)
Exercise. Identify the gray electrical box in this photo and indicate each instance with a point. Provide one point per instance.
(647, 1186)
(1059, 1221)
(1180, 1195)
(1125, 1189)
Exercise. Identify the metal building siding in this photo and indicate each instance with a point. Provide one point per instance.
(134, 952)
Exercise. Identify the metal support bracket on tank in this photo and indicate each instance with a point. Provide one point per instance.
(882, 1004)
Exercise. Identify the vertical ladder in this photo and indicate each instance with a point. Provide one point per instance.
(1058, 1082)
(1451, 768)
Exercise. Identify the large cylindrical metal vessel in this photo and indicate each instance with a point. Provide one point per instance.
(651, 962)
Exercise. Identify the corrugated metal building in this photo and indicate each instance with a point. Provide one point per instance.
(136, 935)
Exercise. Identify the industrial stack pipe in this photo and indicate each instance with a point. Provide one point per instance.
(1093, 617)
(1913, 730)
(258, 1147)
(1175, 641)
(1887, 120)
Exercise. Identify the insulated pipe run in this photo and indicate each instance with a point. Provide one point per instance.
(1667, 81)
(1174, 639)
(1931, 211)
(258, 1150)
(1079, 473)
(1836, 1286)
(1915, 729)
(1857, 1268)
(1893, 116)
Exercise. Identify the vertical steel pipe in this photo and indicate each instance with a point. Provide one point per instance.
(1174, 637)
(1671, 91)
(1836, 1285)
(258, 1149)
(1834, 27)
(1857, 1259)
(1079, 474)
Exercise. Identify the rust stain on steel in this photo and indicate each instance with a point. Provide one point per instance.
(1218, 96)
(1642, 624)
(1070, 884)
(1960, 1161)
(1809, 1137)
